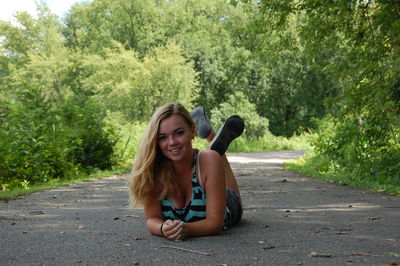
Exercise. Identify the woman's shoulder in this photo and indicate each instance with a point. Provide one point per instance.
(210, 156)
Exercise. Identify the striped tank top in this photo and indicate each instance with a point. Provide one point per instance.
(195, 210)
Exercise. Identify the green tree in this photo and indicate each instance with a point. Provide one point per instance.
(135, 87)
(47, 129)
(255, 125)
(361, 39)
(200, 27)
(95, 25)
(287, 84)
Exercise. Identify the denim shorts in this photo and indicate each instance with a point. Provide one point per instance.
(234, 208)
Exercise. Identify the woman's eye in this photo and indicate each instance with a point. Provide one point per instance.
(161, 137)
(180, 133)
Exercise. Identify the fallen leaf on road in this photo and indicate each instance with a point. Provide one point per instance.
(393, 263)
(116, 218)
(80, 227)
(319, 255)
(373, 218)
(135, 263)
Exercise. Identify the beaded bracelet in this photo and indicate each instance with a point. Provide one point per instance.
(162, 233)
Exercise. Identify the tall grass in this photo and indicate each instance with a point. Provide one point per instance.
(323, 167)
(270, 142)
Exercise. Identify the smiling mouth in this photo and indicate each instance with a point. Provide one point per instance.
(175, 149)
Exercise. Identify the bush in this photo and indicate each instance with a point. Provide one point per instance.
(255, 125)
(42, 140)
(128, 139)
(33, 146)
(92, 139)
(357, 151)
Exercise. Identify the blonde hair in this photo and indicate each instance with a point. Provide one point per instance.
(152, 174)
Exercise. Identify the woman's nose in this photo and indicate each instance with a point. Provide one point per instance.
(171, 140)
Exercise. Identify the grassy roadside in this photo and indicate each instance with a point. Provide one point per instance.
(313, 167)
(55, 183)
(266, 143)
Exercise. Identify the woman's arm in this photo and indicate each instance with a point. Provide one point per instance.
(214, 183)
(156, 225)
(152, 213)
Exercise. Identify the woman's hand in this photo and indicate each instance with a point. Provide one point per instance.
(174, 230)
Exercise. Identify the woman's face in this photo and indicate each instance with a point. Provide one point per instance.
(175, 138)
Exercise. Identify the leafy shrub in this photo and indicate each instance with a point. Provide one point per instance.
(41, 140)
(359, 151)
(92, 140)
(32, 146)
(255, 125)
(128, 138)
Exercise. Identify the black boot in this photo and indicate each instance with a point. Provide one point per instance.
(230, 130)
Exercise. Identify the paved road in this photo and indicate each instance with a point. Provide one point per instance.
(289, 219)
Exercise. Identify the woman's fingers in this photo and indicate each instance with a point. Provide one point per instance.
(172, 229)
(176, 235)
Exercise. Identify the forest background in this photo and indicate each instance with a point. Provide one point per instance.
(76, 92)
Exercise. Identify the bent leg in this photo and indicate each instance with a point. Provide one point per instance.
(232, 128)
(230, 179)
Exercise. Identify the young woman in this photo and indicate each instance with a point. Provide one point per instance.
(186, 192)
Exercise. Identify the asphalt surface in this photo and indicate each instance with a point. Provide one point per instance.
(289, 219)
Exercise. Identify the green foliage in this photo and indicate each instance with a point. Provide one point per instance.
(356, 44)
(54, 183)
(97, 24)
(128, 139)
(31, 146)
(323, 167)
(269, 142)
(74, 95)
(48, 131)
(255, 125)
(88, 133)
(124, 83)
(286, 83)
(360, 150)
